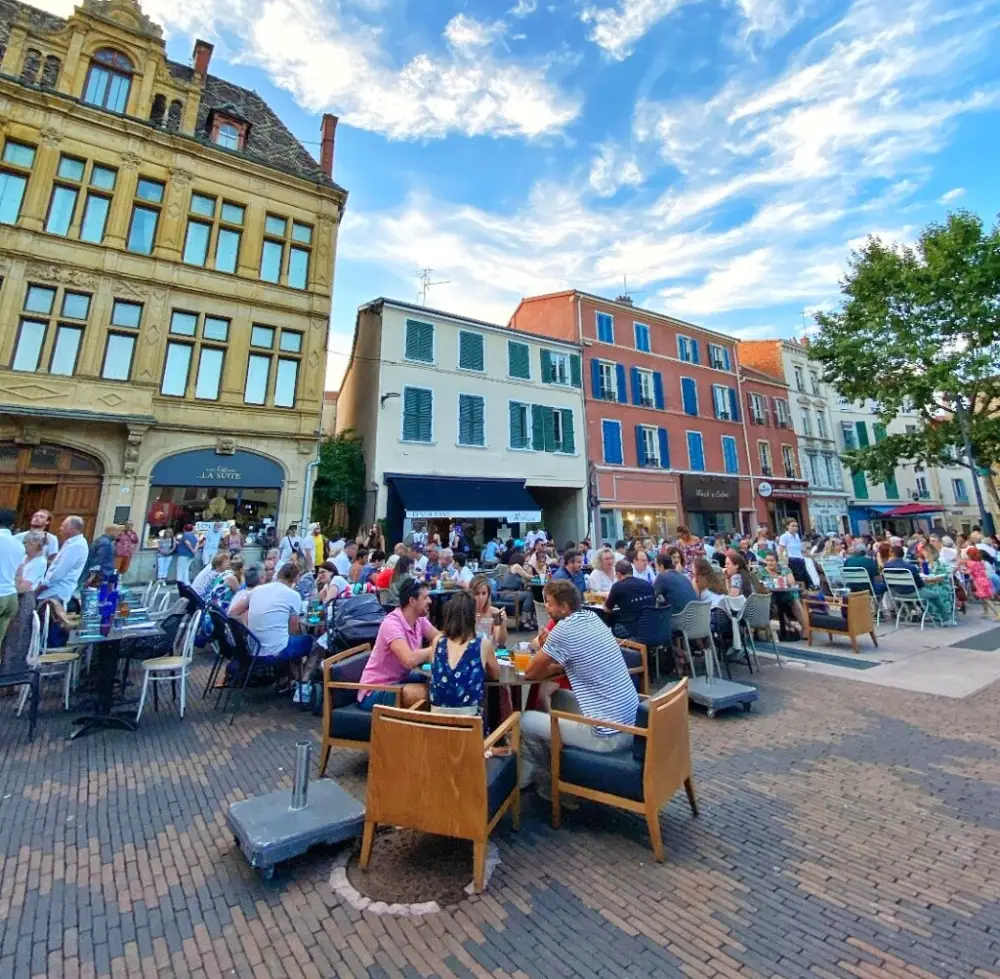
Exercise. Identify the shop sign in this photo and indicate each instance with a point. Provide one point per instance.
(204, 467)
(219, 474)
(712, 493)
(764, 489)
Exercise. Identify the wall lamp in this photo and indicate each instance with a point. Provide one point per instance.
(386, 397)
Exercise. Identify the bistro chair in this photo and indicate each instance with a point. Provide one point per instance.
(195, 602)
(345, 724)
(736, 609)
(851, 617)
(48, 663)
(654, 630)
(171, 668)
(637, 662)
(217, 620)
(757, 618)
(435, 773)
(833, 568)
(641, 778)
(694, 621)
(240, 648)
(27, 680)
(855, 578)
(902, 592)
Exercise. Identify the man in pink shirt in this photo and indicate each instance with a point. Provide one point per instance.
(405, 641)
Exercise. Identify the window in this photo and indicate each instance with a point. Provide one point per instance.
(258, 375)
(108, 81)
(718, 357)
(689, 396)
(471, 419)
(696, 452)
(788, 462)
(764, 454)
(98, 204)
(28, 349)
(552, 429)
(814, 381)
(782, 414)
(18, 160)
(36, 328)
(65, 194)
(419, 342)
(922, 490)
(758, 408)
(644, 389)
(821, 424)
(806, 424)
(611, 437)
(209, 355)
(687, 350)
(145, 216)
(207, 221)
(608, 381)
(605, 328)
(848, 437)
(518, 360)
(828, 465)
(641, 337)
(560, 368)
(958, 488)
(120, 347)
(418, 414)
(290, 342)
(814, 472)
(277, 240)
(730, 454)
(647, 444)
(286, 382)
(228, 136)
(471, 356)
(519, 417)
(721, 402)
(286, 374)
(799, 383)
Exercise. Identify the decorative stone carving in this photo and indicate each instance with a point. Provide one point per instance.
(135, 289)
(128, 13)
(225, 446)
(181, 177)
(306, 448)
(61, 273)
(50, 136)
(32, 391)
(131, 161)
(28, 435)
(133, 448)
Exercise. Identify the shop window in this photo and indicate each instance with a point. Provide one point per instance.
(252, 510)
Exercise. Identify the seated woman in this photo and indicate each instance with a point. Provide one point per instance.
(710, 584)
(742, 579)
(400, 573)
(489, 619)
(603, 576)
(516, 585)
(461, 662)
(227, 585)
(942, 591)
(788, 609)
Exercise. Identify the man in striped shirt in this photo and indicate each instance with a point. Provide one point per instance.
(578, 643)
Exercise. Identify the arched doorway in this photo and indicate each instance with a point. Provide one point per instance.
(50, 477)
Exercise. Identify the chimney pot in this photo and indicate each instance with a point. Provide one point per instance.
(202, 56)
(328, 133)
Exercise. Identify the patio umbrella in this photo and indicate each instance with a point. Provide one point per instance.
(911, 510)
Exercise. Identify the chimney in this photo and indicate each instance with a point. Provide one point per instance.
(202, 56)
(624, 299)
(327, 134)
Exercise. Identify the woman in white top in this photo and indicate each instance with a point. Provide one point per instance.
(32, 568)
(603, 576)
(948, 553)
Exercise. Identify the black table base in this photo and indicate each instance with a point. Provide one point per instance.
(99, 722)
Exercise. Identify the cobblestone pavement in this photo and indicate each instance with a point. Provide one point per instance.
(845, 830)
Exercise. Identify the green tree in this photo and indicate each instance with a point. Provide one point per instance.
(920, 327)
(340, 480)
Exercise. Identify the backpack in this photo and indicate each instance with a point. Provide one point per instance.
(354, 621)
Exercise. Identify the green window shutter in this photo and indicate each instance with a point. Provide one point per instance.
(860, 485)
(519, 360)
(538, 428)
(470, 351)
(518, 436)
(568, 442)
(470, 420)
(546, 367)
(417, 415)
(549, 429)
(862, 430)
(880, 433)
(419, 341)
(574, 370)
(891, 489)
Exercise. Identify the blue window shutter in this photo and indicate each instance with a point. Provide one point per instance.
(658, 390)
(725, 357)
(732, 458)
(612, 443)
(734, 405)
(619, 454)
(689, 396)
(695, 359)
(640, 446)
(696, 452)
(622, 391)
(595, 378)
(664, 449)
(636, 394)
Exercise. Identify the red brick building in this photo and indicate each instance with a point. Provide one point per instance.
(779, 489)
(664, 415)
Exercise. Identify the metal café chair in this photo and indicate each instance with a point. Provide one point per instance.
(834, 571)
(694, 621)
(902, 589)
(757, 616)
(860, 576)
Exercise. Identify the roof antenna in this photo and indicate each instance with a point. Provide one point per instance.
(624, 297)
(424, 275)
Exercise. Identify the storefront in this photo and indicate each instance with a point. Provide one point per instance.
(828, 514)
(711, 504)
(200, 485)
(781, 500)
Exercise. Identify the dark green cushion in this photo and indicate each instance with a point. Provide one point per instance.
(616, 772)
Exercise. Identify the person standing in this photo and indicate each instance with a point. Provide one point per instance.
(345, 558)
(40, 522)
(166, 546)
(290, 544)
(63, 574)
(187, 547)
(235, 541)
(318, 544)
(11, 557)
(125, 545)
(790, 546)
(102, 553)
(15, 644)
(211, 544)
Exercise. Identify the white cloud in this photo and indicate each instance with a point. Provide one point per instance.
(616, 29)
(951, 195)
(613, 169)
(523, 8)
(467, 35)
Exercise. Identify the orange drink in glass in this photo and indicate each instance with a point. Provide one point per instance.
(521, 661)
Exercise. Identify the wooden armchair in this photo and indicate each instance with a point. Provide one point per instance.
(851, 617)
(641, 779)
(637, 661)
(430, 772)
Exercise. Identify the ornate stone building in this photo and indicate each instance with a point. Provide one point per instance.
(167, 252)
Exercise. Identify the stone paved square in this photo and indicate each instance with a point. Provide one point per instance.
(846, 829)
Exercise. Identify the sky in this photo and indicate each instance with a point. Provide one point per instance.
(721, 156)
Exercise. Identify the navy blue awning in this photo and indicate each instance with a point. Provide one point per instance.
(443, 497)
(204, 467)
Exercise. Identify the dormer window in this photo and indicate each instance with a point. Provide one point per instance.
(228, 136)
(227, 128)
(108, 80)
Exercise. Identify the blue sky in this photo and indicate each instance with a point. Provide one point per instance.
(724, 155)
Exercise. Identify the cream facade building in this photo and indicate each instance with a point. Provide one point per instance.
(467, 420)
(167, 253)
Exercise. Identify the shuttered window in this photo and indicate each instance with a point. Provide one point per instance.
(689, 395)
(471, 419)
(541, 428)
(470, 351)
(519, 360)
(520, 425)
(419, 341)
(418, 414)
(696, 452)
(730, 456)
(611, 432)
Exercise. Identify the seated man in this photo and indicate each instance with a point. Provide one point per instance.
(404, 642)
(572, 570)
(629, 596)
(448, 568)
(859, 559)
(432, 563)
(465, 574)
(580, 644)
(272, 612)
(421, 562)
(672, 587)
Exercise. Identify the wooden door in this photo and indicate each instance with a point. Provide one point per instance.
(80, 498)
(35, 496)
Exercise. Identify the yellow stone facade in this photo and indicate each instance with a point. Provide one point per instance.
(129, 425)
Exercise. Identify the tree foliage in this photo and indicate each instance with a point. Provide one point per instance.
(919, 328)
(340, 478)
